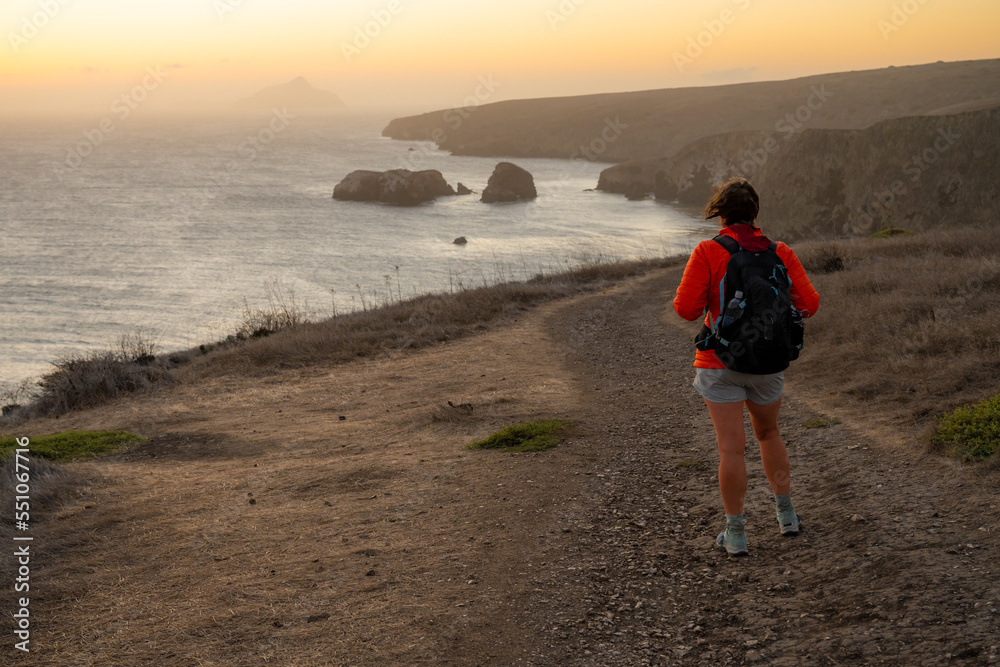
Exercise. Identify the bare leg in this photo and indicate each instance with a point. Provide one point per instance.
(773, 454)
(728, 421)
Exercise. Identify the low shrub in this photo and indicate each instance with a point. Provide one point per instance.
(137, 347)
(527, 437)
(91, 379)
(970, 432)
(283, 311)
(823, 258)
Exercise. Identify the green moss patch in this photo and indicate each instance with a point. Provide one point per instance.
(73, 445)
(527, 437)
(890, 232)
(822, 422)
(971, 432)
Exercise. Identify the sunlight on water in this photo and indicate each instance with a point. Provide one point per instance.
(169, 225)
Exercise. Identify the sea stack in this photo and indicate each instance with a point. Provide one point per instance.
(509, 183)
(401, 187)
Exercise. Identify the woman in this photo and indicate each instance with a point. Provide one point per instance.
(725, 391)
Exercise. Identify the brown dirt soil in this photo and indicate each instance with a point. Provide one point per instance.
(258, 527)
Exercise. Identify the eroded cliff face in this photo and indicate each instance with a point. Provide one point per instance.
(916, 173)
(689, 176)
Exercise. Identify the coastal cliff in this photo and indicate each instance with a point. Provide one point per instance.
(657, 123)
(915, 173)
(832, 155)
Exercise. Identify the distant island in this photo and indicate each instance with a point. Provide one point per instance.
(833, 155)
(298, 94)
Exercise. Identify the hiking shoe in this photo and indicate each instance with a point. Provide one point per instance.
(735, 544)
(789, 523)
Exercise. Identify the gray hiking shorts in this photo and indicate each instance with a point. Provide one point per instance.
(721, 385)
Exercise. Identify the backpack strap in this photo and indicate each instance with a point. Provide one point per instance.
(732, 245)
(727, 242)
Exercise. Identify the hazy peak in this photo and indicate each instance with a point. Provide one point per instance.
(296, 94)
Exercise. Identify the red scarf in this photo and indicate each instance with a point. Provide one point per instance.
(749, 237)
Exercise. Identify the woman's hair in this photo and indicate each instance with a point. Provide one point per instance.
(736, 201)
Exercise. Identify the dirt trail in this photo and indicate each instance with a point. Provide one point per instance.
(898, 564)
(258, 527)
(319, 516)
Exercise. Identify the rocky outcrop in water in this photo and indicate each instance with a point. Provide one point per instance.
(400, 187)
(509, 183)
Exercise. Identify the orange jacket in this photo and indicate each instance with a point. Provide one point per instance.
(704, 271)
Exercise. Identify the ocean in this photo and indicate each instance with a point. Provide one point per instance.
(170, 226)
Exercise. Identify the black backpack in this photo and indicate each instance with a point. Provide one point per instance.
(758, 331)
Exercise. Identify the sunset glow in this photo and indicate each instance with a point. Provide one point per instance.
(68, 55)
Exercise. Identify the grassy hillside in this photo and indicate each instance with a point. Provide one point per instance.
(907, 326)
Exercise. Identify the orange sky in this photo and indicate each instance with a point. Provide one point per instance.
(72, 55)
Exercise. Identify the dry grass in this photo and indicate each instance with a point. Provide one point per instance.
(908, 326)
(283, 311)
(281, 335)
(50, 484)
(410, 324)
